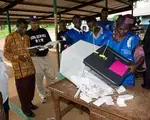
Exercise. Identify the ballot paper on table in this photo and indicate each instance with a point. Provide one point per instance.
(52, 43)
(121, 99)
(120, 90)
(91, 86)
(121, 102)
(109, 100)
(99, 102)
(126, 97)
(85, 98)
(106, 99)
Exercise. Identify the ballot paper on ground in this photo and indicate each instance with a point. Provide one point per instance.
(52, 43)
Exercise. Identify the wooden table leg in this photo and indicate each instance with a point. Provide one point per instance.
(92, 116)
(95, 116)
(81, 109)
(56, 106)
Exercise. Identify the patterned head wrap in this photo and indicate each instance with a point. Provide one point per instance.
(126, 22)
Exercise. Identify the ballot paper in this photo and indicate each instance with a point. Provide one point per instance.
(109, 100)
(121, 102)
(99, 102)
(91, 86)
(52, 43)
(121, 99)
(106, 99)
(120, 90)
(126, 97)
(85, 98)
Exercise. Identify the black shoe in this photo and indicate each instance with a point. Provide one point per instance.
(34, 107)
(145, 86)
(30, 114)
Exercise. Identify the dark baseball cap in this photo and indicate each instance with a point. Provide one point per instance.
(33, 18)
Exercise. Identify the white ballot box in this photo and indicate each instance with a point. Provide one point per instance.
(73, 68)
(72, 58)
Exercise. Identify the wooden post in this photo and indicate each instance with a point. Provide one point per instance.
(8, 21)
(56, 31)
(59, 21)
(132, 8)
(106, 3)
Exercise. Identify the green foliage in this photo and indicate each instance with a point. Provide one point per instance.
(48, 26)
(4, 29)
(114, 18)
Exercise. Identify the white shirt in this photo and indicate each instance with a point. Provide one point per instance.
(3, 78)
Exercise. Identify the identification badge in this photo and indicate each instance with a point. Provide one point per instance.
(126, 51)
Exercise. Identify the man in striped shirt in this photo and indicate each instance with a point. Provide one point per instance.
(15, 50)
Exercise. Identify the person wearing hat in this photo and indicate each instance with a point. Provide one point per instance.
(41, 60)
(15, 51)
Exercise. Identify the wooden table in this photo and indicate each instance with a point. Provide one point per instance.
(137, 109)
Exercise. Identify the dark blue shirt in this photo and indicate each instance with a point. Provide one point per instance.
(109, 25)
(99, 39)
(73, 35)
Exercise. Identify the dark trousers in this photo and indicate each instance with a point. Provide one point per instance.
(6, 108)
(2, 115)
(26, 88)
(147, 72)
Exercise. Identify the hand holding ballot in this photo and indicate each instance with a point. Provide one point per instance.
(48, 45)
(132, 68)
(51, 44)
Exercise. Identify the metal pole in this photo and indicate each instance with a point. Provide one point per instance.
(8, 21)
(56, 31)
(59, 21)
(132, 8)
(59, 18)
(106, 3)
